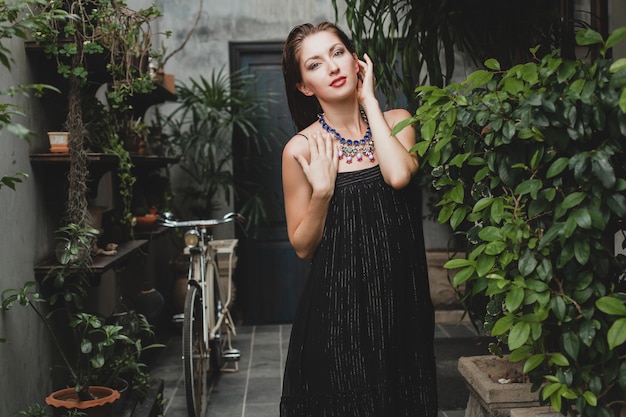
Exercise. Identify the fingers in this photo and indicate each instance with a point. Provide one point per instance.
(323, 150)
(321, 145)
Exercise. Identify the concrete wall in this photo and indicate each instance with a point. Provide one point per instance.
(26, 359)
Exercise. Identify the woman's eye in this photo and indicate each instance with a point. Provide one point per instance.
(338, 52)
(314, 65)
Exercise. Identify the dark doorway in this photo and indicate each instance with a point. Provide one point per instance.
(269, 275)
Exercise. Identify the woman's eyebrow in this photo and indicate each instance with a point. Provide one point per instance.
(334, 46)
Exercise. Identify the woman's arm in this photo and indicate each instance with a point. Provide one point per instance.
(309, 169)
(396, 164)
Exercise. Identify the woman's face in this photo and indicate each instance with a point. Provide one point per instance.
(327, 67)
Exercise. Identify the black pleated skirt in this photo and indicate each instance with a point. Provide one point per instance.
(362, 339)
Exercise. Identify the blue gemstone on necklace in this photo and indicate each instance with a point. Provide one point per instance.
(349, 146)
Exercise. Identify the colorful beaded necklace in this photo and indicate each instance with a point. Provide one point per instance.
(352, 148)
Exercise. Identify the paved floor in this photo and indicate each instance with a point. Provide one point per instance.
(254, 391)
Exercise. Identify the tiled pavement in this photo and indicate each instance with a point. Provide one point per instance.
(254, 391)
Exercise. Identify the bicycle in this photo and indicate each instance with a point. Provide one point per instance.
(206, 317)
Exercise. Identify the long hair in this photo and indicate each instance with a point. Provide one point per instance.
(304, 109)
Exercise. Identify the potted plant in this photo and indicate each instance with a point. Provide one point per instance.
(83, 341)
(102, 41)
(125, 360)
(199, 132)
(530, 164)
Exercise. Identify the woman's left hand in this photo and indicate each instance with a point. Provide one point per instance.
(367, 81)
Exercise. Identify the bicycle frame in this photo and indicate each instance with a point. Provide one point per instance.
(206, 313)
(203, 264)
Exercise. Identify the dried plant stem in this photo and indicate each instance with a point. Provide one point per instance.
(77, 193)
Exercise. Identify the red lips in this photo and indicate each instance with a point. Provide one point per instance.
(338, 82)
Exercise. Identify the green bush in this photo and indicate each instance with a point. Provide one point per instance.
(530, 164)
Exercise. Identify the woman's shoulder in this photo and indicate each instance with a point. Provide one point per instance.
(394, 116)
(298, 143)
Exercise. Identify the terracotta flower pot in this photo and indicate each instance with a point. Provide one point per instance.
(67, 399)
(59, 142)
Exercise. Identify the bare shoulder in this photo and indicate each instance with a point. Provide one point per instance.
(298, 144)
(395, 116)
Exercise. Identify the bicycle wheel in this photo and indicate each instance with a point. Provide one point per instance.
(216, 342)
(194, 354)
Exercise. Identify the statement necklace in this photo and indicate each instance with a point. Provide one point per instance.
(352, 148)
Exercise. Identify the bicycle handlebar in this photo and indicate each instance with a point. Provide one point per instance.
(227, 218)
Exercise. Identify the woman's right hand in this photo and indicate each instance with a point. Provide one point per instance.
(309, 174)
(321, 170)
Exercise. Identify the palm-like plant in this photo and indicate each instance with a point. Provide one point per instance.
(199, 133)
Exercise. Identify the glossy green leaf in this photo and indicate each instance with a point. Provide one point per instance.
(565, 72)
(458, 216)
(588, 37)
(527, 263)
(531, 187)
(518, 335)
(616, 335)
(479, 78)
(484, 264)
(582, 218)
(582, 251)
(457, 194)
(492, 64)
(571, 344)
(587, 332)
(463, 275)
(552, 233)
(603, 170)
(591, 398)
(495, 248)
(445, 213)
(427, 129)
(520, 353)
(497, 210)
(482, 204)
(557, 167)
(490, 234)
(558, 307)
(611, 305)
(502, 325)
(550, 389)
(533, 362)
(555, 401)
(615, 37)
(573, 200)
(514, 298)
(559, 359)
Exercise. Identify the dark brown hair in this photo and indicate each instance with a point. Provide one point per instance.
(304, 109)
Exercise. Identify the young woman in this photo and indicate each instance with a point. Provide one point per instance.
(362, 339)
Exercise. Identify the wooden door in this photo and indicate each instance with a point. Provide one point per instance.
(270, 276)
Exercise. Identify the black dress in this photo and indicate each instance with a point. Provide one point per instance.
(362, 339)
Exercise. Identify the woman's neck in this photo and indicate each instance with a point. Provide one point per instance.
(344, 118)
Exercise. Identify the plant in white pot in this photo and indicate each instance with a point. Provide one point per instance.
(531, 166)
